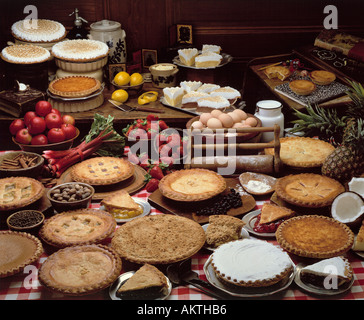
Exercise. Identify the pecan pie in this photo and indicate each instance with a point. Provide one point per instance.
(84, 226)
(74, 86)
(18, 192)
(308, 189)
(315, 236)
(192, 185)
(80, 270)
(158, 239)
(17, 250)
(102, 170)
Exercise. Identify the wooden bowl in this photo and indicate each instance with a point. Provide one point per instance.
(25, 221)
(31, 172)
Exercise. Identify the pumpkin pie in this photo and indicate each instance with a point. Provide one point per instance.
(302, 87)
(17, 250)
(308, 189)
(102, 170)
(74, 86)
(158, 239)
(80, 270)
(302, 152)
(84, 226)
(18, 192)
(322, 77)
(192, 185)
(315, 236)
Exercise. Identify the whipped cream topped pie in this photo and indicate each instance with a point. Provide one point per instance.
(80, 50)
(74, 86)
(25, 54)
(38, 30)
(251, 263)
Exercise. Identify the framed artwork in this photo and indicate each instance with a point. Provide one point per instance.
(131, 68)
(149, 57)
(184, 33)
(114, 69)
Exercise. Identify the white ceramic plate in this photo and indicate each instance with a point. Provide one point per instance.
(250, 219)
(226, 58)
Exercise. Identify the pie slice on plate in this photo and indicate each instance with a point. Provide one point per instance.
(271, 212)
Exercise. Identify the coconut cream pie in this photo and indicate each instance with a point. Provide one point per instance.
(208, 104)
(38, 30)
(187, 56)
(189, 86)
(25, 54)
(80, 50)
(208, 87)
(189, 100)
(211, 48)
(173, 95)
(208, 60)
(227, 92)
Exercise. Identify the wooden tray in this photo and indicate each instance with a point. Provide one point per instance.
(187, 210)
(131, 185)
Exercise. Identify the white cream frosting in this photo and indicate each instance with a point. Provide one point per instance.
(38, 30)
(208, 87)
(188, 54)
(189, 86)
(25, 54)
(250, 260)
(208, 56)
(335, 266)
(227, 92)
(193, 96)
(213, 102)
(211, 48)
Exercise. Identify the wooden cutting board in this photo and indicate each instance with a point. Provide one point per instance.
(188, 209)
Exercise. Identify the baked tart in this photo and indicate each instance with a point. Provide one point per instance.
(279, 72)
(80, 270)
(302, 152)
(17, 250)
(314, 236)
(322, 77)
(302, 87)
(18, 192)
(192, 185)
(84, 226)
(101, 171)
(308, 190)
(158, 239)
(251, 263)
(74, 86)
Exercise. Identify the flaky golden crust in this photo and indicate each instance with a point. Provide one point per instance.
(322, 77)
(302, 87)
(74, 86)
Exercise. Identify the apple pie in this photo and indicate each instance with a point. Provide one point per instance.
(302, 87)
(280, 72)
(74, 86)
(322, 77)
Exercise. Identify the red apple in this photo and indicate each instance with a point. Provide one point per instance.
(69, 130)
(37, 125)
(23, 136)
(56, 135)
(42, 108)
(53, 120)
(29, 116)
(56, 111)
(69, 119)
(39, 140)
(16, 125)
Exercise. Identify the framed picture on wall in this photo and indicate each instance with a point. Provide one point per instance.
(114, 69)
(149, 57)
(184, 33)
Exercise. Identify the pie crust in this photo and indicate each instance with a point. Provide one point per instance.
(158, 239)
(74, 86)
(314, 236)
(80, 270)
(18, 192)
(302, 87)
(102, 170)
(78, 227)
(271, 212)
(250, 263)
(302, 152)
(308, 189)
(192, 185)
(17, 250)
(322, 77)
(25, 54)
(280, 72)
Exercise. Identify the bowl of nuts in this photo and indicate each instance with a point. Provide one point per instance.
(70, 196)
(25, 221)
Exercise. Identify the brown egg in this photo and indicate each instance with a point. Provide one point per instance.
(234, 116)
(204, 117)
(216, 113)
(238, 125)
(251, 121)
(197, 125)
(226, 120)
(242, 114)
(214, 123)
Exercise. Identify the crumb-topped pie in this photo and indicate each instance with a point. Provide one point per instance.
(17, 250)
(18, 192)
(74, 86)
(102, 170)
(80, 270)
(308, 189)
(251, 263)
(84, 226)
(302, 152)
(192, 185)
(25, 54)
(315, 236)
(158, 239)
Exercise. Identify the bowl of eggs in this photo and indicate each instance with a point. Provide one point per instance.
(235, 119)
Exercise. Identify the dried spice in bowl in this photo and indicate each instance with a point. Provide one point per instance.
(25, 220)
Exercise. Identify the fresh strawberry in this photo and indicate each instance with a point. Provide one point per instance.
(156, 172)
(163, 125)
(152, 185)
(167, 161)
(143, 158)
(174, 139)
(152, 117)
(164, 150)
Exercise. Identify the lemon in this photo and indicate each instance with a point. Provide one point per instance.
(122, 78)
(120, 95)
(135, 79)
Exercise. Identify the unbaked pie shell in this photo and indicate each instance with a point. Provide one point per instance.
(188, 178)
(314, 236)
(76, 91)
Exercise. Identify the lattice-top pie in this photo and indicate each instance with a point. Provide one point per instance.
(192, 185)
(315, 236)
(18, 192)
(102, 170)
(302, 152)
(84, 226)
(74, 86)
(308, 189)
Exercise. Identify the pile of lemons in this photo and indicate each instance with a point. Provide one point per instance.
(122, 79)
